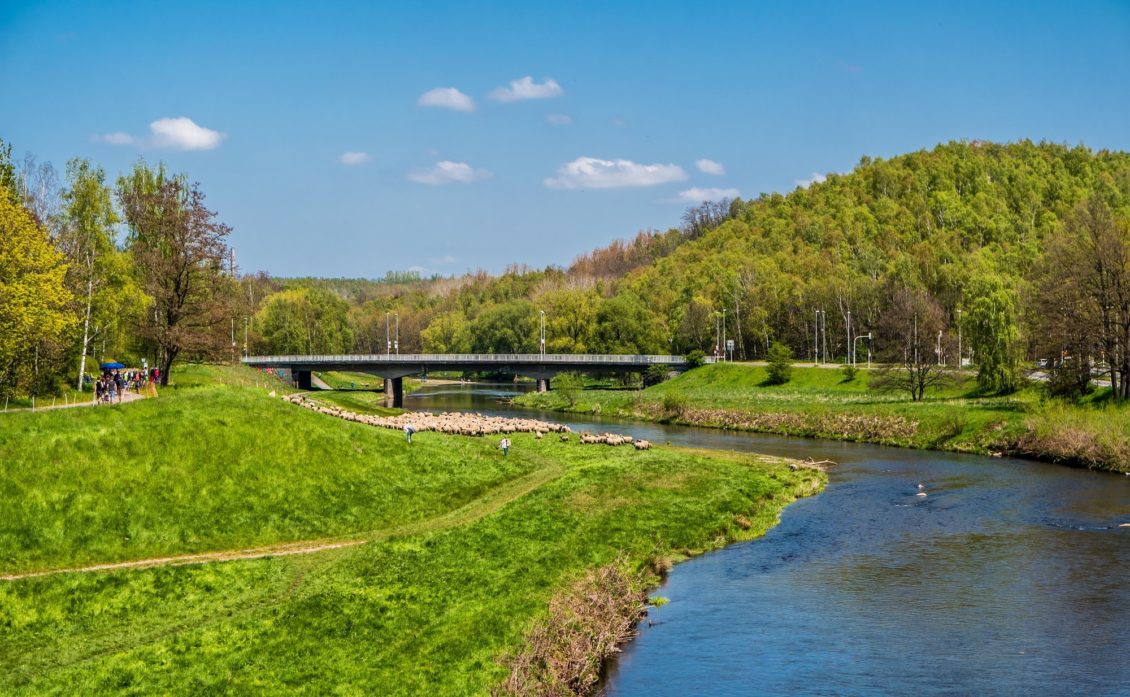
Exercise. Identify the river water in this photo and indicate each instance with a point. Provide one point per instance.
(1009, 577)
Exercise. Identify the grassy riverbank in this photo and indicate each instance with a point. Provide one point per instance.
(821, 403)
(463, 548)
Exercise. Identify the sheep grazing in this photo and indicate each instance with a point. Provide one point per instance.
(453, 423)
(642, 445)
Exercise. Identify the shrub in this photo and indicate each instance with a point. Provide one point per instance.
(674, 404)
(655, 374)
(780, 364)
(696, 358)
(849, 371)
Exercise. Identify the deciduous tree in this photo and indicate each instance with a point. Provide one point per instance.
(33, 297)
(179, 253)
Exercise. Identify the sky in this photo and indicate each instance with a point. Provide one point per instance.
(352, 139)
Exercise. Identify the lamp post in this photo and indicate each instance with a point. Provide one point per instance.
(816, 337)
(388, 338)
(959, 339)
(854, 350)
(396, 341)
(542, 313)
(850, 343)
(724, 357)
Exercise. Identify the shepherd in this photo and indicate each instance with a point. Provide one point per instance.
(505, 445)
(408, 431)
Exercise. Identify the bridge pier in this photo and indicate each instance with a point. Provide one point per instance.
(302, 379)
(543, 384)
(394, 392)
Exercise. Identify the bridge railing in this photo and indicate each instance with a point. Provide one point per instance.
(472, 358)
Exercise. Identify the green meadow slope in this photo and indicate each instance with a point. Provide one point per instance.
(462, 548)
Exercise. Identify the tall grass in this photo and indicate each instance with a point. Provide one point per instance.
(430, 610)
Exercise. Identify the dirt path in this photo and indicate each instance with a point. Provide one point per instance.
(475, 509)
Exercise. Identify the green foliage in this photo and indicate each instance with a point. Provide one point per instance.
(655, 374)
(511, 327)
(849, 372)
(674, 404)
(449, 332)
(993, 330)
(696, 358)
(34, 301)
(305, 321)
(569, 386)
(625, 325)
(780, 364)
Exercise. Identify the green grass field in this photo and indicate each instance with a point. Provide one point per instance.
(820, 402)
(463, 547)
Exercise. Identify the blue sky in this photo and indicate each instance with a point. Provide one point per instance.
(358, 138)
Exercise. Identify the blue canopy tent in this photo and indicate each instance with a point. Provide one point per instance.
(112, 366)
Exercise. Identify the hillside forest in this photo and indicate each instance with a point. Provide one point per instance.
(999, 257)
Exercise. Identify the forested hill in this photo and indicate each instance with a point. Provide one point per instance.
(955, 222)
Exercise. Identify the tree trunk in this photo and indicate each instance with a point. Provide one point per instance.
(85, 331)
(166, 365)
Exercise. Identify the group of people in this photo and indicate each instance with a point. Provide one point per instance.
(113, 384)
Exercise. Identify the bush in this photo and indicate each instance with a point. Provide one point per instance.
(696, 358)
(780, 364)
(849, 371)
(674, 404)
(569, 386)
(655, 374)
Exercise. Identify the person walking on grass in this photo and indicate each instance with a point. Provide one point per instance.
(505, 445)
(408, 431)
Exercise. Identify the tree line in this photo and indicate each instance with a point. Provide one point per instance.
(995, 256)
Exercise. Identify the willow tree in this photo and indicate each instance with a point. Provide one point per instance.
(179, 252)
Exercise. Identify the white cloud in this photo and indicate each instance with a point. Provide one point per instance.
(447, 98)
(593, 173)
(114, 138)
(446, 171)
(180, 133)
(526, 88)
(559, 119)
(816, 178)
(354, 158)
(710, 167)
(698, 195)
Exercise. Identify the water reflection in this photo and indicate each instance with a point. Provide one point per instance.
(1008, 577)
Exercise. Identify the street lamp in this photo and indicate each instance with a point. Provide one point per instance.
(854, 349)
(542, 313)
(816, 337)
(724, 358)
(396, 341)
(959, 339)
(388, 337)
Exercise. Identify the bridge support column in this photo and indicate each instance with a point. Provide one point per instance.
(543, 384)
(302, 379)
(394, 392)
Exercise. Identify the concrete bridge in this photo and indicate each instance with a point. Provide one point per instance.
(394, 368)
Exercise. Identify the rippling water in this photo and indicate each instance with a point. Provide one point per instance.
(1008, 577)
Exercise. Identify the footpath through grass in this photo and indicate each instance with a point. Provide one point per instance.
(821, 403)
(464, 549)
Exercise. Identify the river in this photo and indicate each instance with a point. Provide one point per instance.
(1009, 577)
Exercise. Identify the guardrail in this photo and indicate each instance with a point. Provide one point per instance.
(471, 359)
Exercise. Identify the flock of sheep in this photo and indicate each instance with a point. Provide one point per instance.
(457, 423)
